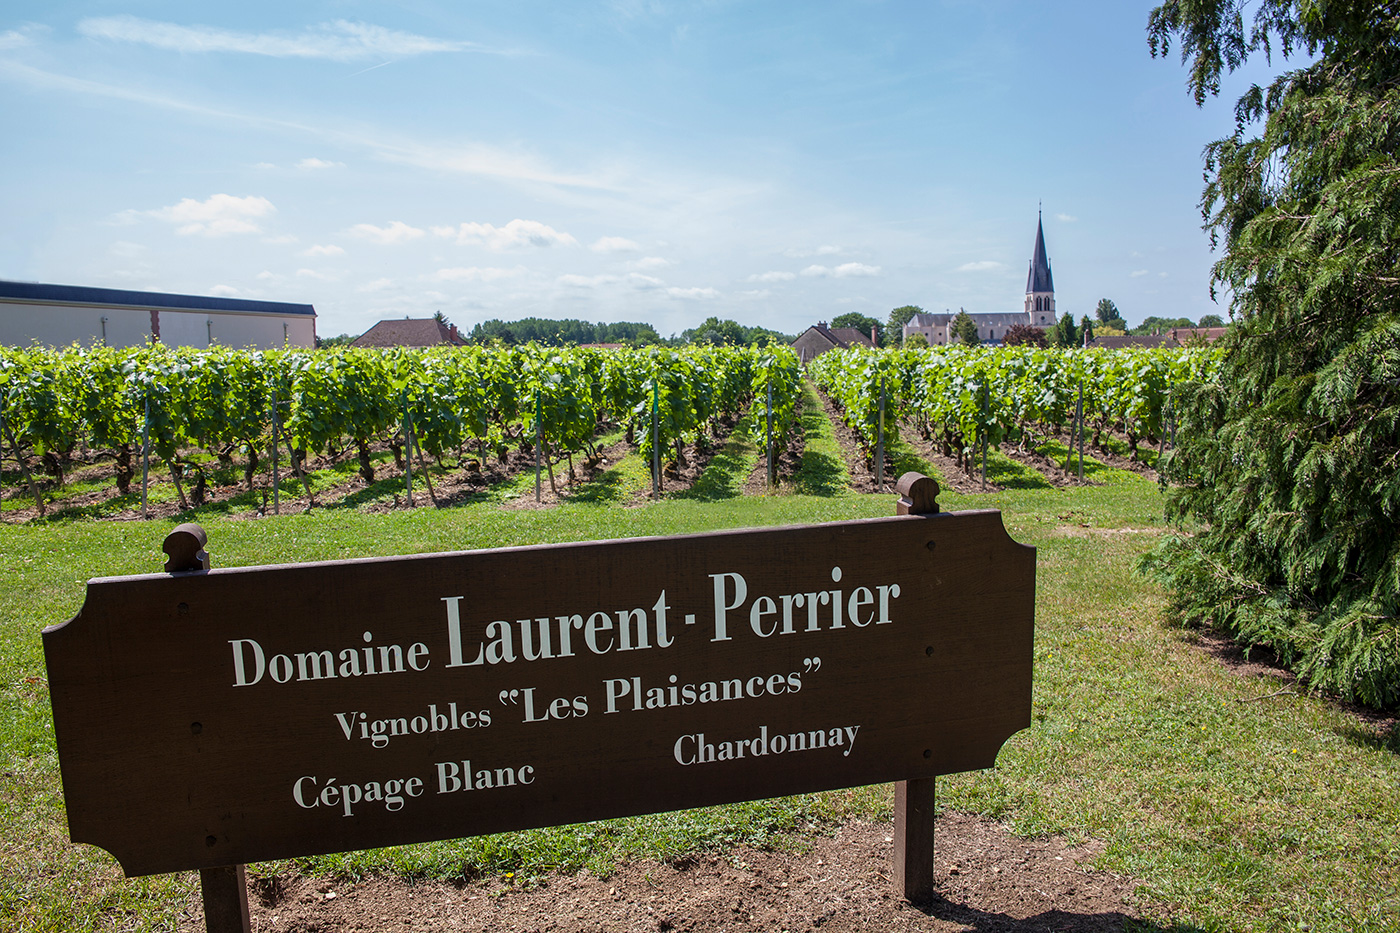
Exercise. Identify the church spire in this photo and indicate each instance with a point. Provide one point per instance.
(1039, 279)
(1040, 287)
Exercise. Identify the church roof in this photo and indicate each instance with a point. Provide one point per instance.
(1039, 279)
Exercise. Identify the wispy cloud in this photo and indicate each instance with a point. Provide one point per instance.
(467, 159)
(693, 293)
(843, 271)
(475, 274)
(218, 215)
(772, 277)
(615, 244)
(223, 291)
(1136, 273)
(18, 38)
(1066, 218)
(649, 262)
(573, 280)
(341, 41)
(984, 265)
(804, 253)
(518, 233)
(313, 163)
(396, 232)
(329, 249)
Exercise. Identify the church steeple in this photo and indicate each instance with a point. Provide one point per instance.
(1040, 287)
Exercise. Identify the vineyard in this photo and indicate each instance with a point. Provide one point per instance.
(195, 413)
(255, 419)
(966, 400)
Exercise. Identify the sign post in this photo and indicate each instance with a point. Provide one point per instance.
(211, 718)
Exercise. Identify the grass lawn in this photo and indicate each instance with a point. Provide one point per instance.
(1243, 813)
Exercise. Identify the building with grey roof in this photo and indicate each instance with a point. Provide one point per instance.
(59, 315)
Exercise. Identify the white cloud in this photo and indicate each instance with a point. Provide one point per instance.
(517, 233)
(378, 285)
(637, 280)
(615, 244)
(756, 293)
(649, 262)
(327, 250)
(586, 281)
(703, 293)
(1067, 218)
(283, 239)
(1137, 272)
(396, 232)
(341, 41)
(219, 215)
(318, 276)
(843, 271)
(475, 274)
(223, 291)
(314, 163)
(984, 265)
(803, 253)
(266, 275)
(773, 277)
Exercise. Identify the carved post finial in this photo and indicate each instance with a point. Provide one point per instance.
(185, 548)
(918, 494)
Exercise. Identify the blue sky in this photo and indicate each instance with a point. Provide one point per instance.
(643, 160)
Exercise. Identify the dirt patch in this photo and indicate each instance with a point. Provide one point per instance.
(786, 463)
(950, 475)
(860, 467)
(987, 881)
(1087, 531)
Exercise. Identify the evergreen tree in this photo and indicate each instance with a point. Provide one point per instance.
(964, 329)
(1064, 333)
(1290, 462)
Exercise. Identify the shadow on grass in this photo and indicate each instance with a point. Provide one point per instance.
(985, 921)
(605, 488)
(823, 470)
(1012, 474)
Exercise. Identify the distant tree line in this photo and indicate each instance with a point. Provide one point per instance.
(731, 333)
(567, 332)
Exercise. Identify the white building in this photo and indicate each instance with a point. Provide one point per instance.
(1039, 309)
(58, 315)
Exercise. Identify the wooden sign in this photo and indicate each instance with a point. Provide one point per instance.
(218, 717)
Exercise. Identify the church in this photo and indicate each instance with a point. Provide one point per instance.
(1039, 310)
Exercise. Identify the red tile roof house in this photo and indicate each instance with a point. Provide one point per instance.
(816, 340)
(411, 332)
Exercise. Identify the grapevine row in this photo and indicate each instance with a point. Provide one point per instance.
(444, 400)
(962, 396)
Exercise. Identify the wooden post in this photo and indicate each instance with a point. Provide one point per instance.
(224, 889)
(225, 896)
(914, 800)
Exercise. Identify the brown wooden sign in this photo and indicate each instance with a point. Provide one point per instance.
(219, 717)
